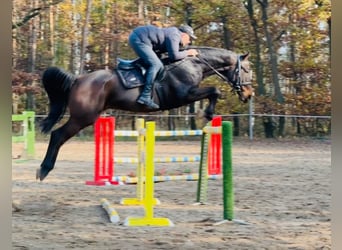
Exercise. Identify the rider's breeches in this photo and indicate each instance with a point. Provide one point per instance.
(153, 64)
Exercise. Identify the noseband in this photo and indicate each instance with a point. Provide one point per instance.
(236, 85)
(237, 72)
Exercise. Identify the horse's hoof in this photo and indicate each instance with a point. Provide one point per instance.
(40, 174)
(209, 117)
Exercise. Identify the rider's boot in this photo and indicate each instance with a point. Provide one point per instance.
(145, 97)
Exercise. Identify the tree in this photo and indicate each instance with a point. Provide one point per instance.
(273, 58)
(85, 36)
(257, 42)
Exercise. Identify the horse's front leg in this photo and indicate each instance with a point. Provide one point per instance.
(57, 138)
(212, 93)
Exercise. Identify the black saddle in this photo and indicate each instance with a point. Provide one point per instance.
(131, 72)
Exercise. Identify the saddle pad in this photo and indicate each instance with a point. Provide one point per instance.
(131, 78)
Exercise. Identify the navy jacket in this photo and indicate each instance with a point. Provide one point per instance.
(162, 40)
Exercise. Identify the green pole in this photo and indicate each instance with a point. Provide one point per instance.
(228, 192)
(30, 130)
(202, 184)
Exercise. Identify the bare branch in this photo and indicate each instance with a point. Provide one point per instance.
(34, 12)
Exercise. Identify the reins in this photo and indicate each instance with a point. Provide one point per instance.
(212, 68)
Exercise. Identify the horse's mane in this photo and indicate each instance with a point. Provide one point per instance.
(204, 51)
(219, 55)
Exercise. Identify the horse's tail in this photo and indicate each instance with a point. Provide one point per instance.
(57, 84)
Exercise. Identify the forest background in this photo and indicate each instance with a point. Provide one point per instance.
(289, 42)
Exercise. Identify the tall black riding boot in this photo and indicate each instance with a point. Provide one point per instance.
(145, 97)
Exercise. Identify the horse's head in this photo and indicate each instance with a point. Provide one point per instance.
(240, 76)
(231, 67)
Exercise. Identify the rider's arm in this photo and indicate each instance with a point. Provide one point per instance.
(172, 42)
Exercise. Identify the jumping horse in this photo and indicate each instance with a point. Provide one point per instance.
(88, 95)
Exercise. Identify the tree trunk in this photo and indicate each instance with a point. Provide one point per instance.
(226, 33)
(141, 10)
(329, 26)
(107, 31)
(268, 127)
(115, 40)
(188, 19)
(299, 130)
(273, 59)
(85, 36)
(257, 41)
(32, 56)
(171, 125)
(281, 126)
(51, 34)
(192, 117)
(236, 125)
(74, 59)
(32, 41)
(14, 48)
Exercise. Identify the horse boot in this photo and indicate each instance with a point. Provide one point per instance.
(145, 97)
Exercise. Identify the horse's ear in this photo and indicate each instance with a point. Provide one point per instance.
(245, 56)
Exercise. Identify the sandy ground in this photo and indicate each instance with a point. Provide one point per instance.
(282, 190)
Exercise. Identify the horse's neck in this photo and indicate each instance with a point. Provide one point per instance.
(207, 59)
(217, 57)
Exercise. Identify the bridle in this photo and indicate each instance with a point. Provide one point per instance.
(237, 84)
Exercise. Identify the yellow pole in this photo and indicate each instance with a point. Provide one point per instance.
(149, 161)
(149, 201)
(140, 171)
(141, 160)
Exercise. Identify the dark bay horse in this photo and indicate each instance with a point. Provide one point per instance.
(87, 96)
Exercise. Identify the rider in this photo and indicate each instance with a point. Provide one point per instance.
(149, 40)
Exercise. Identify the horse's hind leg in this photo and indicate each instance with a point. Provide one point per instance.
(57, 139)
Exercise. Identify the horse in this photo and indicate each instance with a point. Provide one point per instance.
(88, 95)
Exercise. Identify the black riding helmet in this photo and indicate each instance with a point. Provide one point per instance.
(188, 30)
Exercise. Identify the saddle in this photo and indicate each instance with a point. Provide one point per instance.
(131, 72)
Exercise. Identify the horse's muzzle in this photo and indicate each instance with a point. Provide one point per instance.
(244, 98)
(245, 95)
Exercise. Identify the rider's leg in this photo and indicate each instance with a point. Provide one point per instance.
(154, 66)
(151, 73)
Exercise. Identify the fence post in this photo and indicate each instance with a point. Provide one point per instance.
(228, 187)
(28, 136)
(30, 133)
